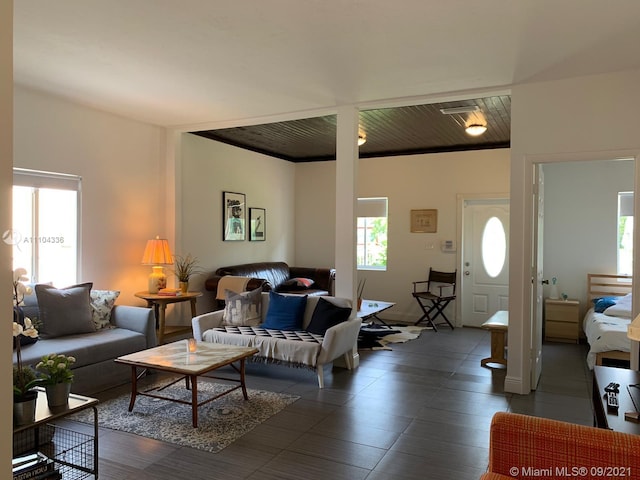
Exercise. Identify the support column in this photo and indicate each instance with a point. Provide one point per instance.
(346, 195)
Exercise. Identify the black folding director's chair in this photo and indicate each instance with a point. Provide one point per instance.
(434, 294)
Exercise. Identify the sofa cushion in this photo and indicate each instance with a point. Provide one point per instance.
(87, 348)
(102, 302)
(65, 311)
(297, 348)
(273, 272)
(297, 283)
(326, 315)
(285, 312)
(243, 308)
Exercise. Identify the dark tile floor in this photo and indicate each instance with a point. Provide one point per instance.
(421, 410)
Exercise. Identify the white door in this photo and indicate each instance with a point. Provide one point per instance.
(536, 271)
(485, 259)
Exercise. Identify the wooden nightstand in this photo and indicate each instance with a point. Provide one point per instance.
(562, 320)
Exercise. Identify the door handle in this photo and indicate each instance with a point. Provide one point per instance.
(545, 282)
(467, 273)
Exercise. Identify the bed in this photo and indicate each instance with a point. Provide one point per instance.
(605, 323)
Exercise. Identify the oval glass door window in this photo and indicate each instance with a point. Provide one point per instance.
(494, 247)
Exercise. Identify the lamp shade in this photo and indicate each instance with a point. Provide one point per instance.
(157, 252)
(633, 331)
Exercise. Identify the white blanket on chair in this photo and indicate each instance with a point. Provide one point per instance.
(229, 282)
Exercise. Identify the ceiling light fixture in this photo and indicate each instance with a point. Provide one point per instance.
(362, 139)
(475, 129)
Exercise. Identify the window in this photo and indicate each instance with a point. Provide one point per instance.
(371, 247)
(625, 233)
(45, 231)
(494, 247)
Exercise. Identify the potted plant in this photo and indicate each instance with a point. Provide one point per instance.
(185, 267)
(56, 376)
(24, 378)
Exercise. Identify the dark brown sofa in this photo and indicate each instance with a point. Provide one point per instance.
(274, 275)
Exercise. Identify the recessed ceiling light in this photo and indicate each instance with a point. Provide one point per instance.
(362, 139)
(476, 129)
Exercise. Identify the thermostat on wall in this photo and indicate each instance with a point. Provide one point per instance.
(448, 246)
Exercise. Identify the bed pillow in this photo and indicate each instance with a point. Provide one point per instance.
(102, 302)
(285, 312)
(601, 304)
(327, 315)
(622, 308)
(243, 309)
(64, 311)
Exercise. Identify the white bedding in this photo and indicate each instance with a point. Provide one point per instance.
(605, 333)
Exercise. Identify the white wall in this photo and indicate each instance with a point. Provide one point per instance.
(6, 154)
(580, 221)
(585, 118)
(410, 182)
(207, 169)
(121, 165)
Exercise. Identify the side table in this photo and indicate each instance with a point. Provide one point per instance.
(612, 419)
(159, 304)
(74, 453)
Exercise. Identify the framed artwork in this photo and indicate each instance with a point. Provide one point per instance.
(424, 221)
(233, 216)
(257, 224)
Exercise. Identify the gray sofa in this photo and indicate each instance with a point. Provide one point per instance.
(132, 329)
(294, 348)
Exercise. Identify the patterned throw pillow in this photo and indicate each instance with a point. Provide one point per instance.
(102, 302)
(243, 309)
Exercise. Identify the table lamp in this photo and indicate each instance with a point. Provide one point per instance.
(157, 253)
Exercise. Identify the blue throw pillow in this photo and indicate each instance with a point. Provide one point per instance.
(601, 304)
(285, 312)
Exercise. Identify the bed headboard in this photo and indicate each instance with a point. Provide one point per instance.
(605, 285)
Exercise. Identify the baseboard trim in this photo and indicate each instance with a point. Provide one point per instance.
(515, 385)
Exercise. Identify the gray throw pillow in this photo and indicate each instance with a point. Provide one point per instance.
(243, 309)
(64, 311)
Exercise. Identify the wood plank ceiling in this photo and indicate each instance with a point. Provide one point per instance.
(389, 132)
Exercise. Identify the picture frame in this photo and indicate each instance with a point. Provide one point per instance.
(424, 221)
(257, 224)
(233, 216)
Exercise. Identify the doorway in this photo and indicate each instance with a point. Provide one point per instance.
(484, 257)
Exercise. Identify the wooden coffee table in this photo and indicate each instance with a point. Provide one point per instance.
(190, 360)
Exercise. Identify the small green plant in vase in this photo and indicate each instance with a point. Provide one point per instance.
(185, 267)
(56, 376)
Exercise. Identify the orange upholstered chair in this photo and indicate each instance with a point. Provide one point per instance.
(522, 447)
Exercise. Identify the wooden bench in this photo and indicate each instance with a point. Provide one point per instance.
(498, 325)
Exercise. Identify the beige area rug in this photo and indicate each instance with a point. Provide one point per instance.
(405, 334)
(220, 422)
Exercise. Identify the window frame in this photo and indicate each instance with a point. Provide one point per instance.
(625, 210)
(38, 179)
(371, 208)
